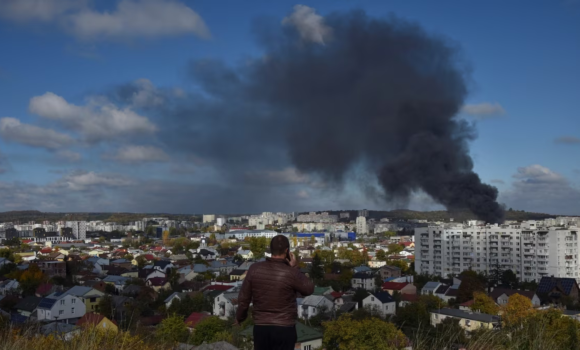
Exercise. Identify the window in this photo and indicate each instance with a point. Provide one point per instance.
(62, 302)
(73, 301)
(307, 347)
(372, 299)
(72, 310)
(60, 312)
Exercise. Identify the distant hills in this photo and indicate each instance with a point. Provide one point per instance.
(23, 216)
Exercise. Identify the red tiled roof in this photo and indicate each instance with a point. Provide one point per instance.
(218, 287)
(394, 285)
(336, 294)
(195, 318)
(468, 303)
(406, 244)
(149, 257)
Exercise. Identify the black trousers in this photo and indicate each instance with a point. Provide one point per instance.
(274, 337)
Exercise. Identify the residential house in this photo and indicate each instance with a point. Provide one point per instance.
(407, 299)
(307, 337)
(226, 303)
(60, 330)
(430, 287)
(89, 296)
(468, 320)
(363, 280)
(158, 283)
(206, 254)
(175, 296)
(9, 287)
(381, 303)
(245, 254)
(222, 266)
(96, 284)
(362, 269)
(501, 295)
(155, 274)
(4, 261)
(238, 275)
(551, 289)
(389, 271)
(322, 290)
(376, 263)
(52, 268)
(245, 265)
(312, 305)
(98, 322)
(60, 307)
(402, 288)
(163, 265)
(118, 282)
(26, 306)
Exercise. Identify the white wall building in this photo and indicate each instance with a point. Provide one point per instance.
(208, 218)
(531, 252)
(79, 229)
(361, 225)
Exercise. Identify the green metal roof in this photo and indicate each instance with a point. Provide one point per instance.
(321, 290)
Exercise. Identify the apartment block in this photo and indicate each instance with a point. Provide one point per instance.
(529, 250)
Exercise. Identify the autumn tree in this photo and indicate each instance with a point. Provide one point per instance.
(517, 309)
(165, 237)
(207, 329)
(29, 279)
(367, 334)
(484, 304)
(173, 329)
(381, 255)
(394, 249)
(258, 246)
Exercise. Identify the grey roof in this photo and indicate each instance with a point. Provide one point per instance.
(442, 289)
(469, 315)
(57, 327)
(362, 275)
(28, 304)
(174, 294)
(78, 291)
(431, 285)
(348, 307)
(312, 300)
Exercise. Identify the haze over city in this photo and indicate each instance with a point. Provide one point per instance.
(224, 107)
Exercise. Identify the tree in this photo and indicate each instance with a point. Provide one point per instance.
(484, 304)
(517, 309)
(381, 255)
(165, 237)
(359, 295)
(509, 279)
(470, 283)
(366, 334)
(173, 329)
(400, 264)
(450, 332)
(110, 289)
(394, 249)
(30, 279)
(294, 239)
(106, 307)
(258, 246)
(172, 231)
(316, 269)
(207, 329)
(141, 261)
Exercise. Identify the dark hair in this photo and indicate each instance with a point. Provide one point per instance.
(279, 244)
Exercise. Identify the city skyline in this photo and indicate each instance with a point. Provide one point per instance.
(86, 123)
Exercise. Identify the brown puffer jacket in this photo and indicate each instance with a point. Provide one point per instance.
(272, 286)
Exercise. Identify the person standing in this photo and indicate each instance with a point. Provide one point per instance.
(272, 286)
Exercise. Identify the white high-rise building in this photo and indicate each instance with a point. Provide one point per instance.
(79, 229)
(208, 218)
(361, 225)
(531, 252)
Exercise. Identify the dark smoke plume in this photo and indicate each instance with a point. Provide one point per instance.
(375, 93)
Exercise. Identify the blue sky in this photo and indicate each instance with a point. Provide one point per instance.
(77, 148)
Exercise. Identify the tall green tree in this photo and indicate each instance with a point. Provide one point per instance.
(366, 334)
(207, 329)
(316, 269)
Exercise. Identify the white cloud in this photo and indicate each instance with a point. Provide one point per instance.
(68, 156)
(137, 18)
(484, 110)
(146, 94)
(309, 24)
(12, 129)
(568, 140)
(303, 194)
(81, 181)
(139, 154)
(97, 121)
(37, 10)
(539, 189)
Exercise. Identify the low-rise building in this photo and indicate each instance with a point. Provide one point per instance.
(468, 320)
(381, 303)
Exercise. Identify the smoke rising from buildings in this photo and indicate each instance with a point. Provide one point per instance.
(379, 94)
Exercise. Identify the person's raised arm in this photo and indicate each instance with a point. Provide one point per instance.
(302, 284)
(244, 298)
